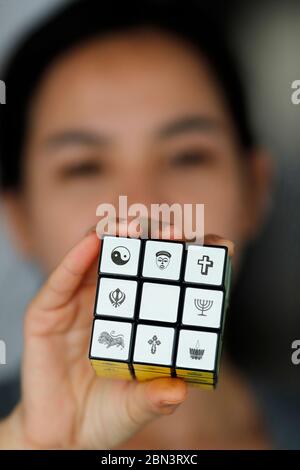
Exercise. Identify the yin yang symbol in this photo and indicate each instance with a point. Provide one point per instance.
(120, 255)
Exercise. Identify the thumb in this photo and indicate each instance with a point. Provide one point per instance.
(145, 401)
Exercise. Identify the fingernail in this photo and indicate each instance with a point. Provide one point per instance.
(171, 403)
(168, 408)
(174, 394)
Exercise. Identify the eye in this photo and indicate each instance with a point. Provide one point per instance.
(190, 158)
(82, 170)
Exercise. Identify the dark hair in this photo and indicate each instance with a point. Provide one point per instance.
(83, 19)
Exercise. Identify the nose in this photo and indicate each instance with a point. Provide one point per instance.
(140, 189)
(135, 187)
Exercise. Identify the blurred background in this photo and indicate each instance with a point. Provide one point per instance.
(266, 38)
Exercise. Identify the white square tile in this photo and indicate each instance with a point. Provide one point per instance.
(116, 297)
(196, 350)
(202, 307)
(120, 255)
(111, 340)
(205, 265)
(159, 302)
(154, 345)
(162, 260)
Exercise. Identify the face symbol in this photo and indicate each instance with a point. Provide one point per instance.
(163, 259)
(120, 255)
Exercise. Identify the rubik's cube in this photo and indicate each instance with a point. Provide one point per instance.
(160, 310)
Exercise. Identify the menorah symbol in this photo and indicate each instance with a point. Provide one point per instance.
(203, 305)
(117, 297)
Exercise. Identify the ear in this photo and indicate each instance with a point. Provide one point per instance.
(261, 177)
(17, 222)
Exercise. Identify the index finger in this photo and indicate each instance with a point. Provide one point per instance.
(212, 239)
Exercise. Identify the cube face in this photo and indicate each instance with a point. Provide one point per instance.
(112, 370)
(111, 340)
(116, 297)
(154, 345)
(197, 350)
(205, 265)
(153, 352)
(160, 310)
(162, 260)
(120, 256)
(159, 302)
(203, 307)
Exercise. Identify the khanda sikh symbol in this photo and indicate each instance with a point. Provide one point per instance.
(117, 297)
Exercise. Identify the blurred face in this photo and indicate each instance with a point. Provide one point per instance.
(139, 114)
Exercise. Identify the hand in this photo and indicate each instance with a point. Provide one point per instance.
(64, 405)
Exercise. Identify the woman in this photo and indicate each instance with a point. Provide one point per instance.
(98, 101)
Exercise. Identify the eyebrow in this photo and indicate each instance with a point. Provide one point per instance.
(193, 123)
(76, 137)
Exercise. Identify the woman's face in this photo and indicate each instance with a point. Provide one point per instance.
(140, 115)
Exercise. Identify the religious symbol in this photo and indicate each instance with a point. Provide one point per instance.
(196, 352)
(120, 255)
(117, 297)
(203, 305)
(154, 343)
(163, 259)
(205, 263)
(111, 339)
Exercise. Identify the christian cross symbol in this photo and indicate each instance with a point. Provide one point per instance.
(205, 263)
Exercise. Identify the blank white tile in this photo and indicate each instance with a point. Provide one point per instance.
(116, 297)
(120, 255)
(111, 340)
(159, 302)
(196, 350)
(154, 344)
(205, 265)
(202, 307)
(162, 260)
